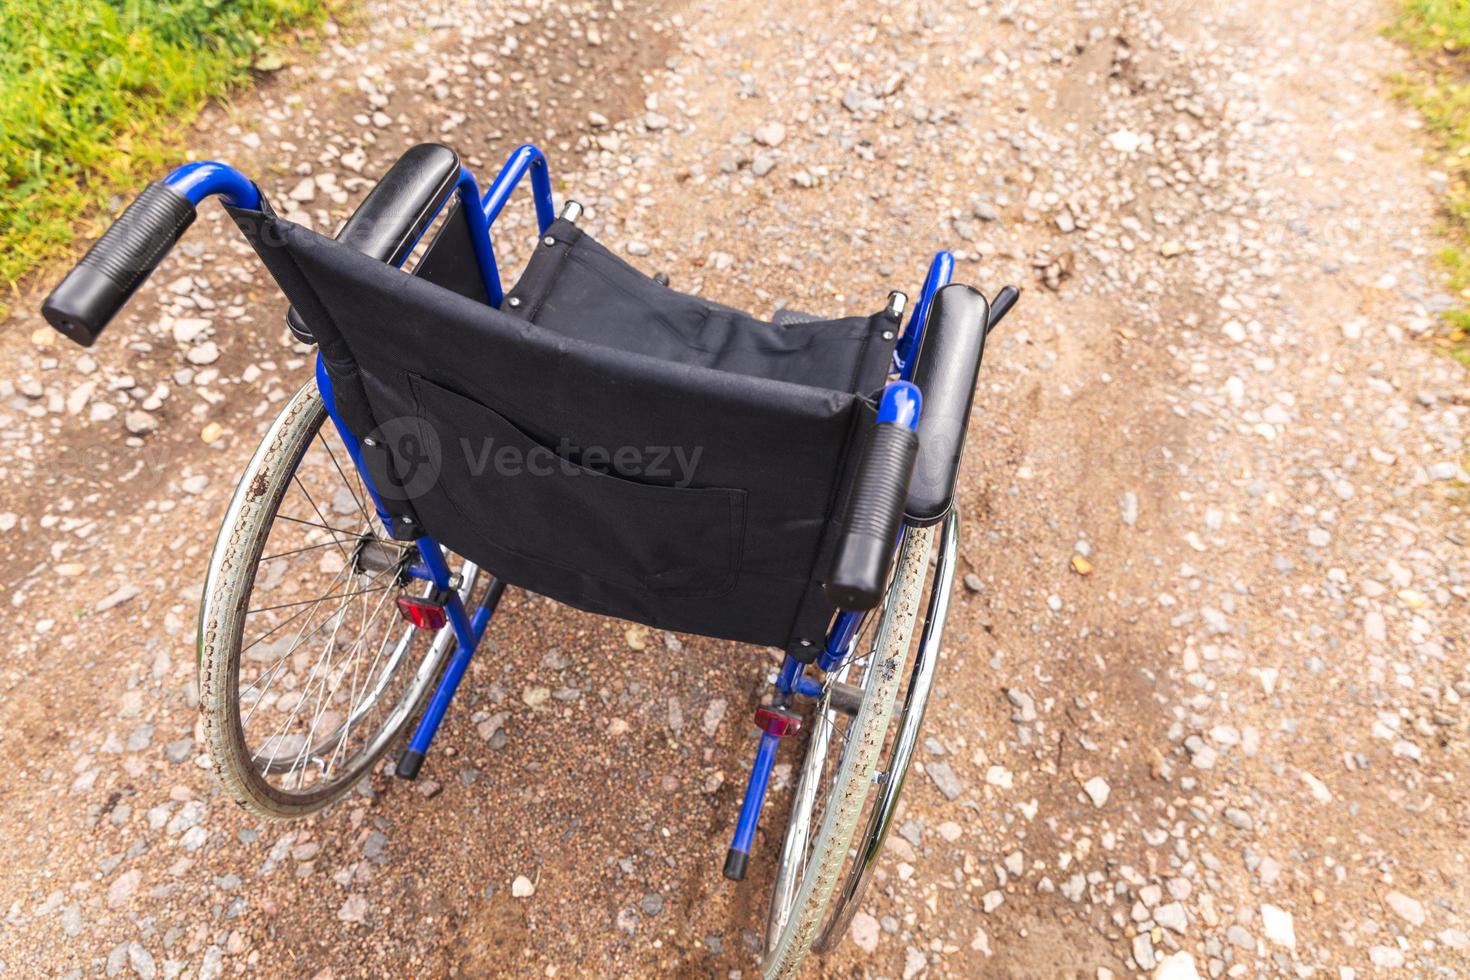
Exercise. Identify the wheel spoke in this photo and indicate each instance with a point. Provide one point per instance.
(303, 602)
(356, 497)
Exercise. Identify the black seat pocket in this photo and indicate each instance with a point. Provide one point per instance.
(525, 499)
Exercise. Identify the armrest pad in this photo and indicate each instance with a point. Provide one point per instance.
(388, 223)
(946, 372)
(395, 213)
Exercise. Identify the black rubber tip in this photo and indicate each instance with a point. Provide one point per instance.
(735, 862)
(408, 764)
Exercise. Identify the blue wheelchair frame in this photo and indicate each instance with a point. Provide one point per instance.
(900, 404)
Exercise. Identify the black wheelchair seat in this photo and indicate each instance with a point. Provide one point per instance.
(576, 287)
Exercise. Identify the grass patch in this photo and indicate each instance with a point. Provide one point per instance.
(1439, 31)
(95, 96)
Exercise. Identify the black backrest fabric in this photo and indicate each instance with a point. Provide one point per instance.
(666, 493)
(577, 287)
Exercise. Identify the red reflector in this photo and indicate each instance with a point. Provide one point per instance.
(426, 614)
(777, 721)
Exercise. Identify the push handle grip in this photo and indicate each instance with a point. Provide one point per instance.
(876, 505)
(113, 268)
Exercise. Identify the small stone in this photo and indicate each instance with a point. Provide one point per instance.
(1387, 957)
(123, 887)
(1171, 916)
(305, 190)
(211, 433)
(713, 715)
(1125, 141)
(1024, 703)
(205, 353)
(535, 696)
(972, 582)
(763, 164)
(770, 134)
(186, 330)
(1176, 966)
(652, 903)
(864, 932)
(1143, 951)
(1411, 910)
(353, 910)
(1128, 504)
(945, 779)
(139, 422)
(1170, 249)
(117, 597)
(522, 887)
(1239, 819)
(1318, 789)
(1097, 790)
(1278, 926)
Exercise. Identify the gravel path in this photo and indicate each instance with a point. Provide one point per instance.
(1200, 712)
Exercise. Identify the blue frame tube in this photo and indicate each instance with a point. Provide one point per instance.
(522, 159)
(941, 271)
(200, 179)
(469, 196)
(755, 793)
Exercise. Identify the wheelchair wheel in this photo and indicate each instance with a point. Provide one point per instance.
(837, 774)
(307, 673)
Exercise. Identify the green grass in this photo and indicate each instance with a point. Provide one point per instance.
(95, 96)
(1439, 30)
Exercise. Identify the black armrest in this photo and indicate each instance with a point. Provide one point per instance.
(946, 372)
(396, 211)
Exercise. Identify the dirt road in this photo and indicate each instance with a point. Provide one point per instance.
(1236, 747)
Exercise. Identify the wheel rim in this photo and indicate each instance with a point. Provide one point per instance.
(323, 673)
(818, 770)
(814, 877)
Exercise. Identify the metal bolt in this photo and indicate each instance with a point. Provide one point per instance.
(548, 240)
(805, 643)
(369, 442)
(888, 335)
(513, 302)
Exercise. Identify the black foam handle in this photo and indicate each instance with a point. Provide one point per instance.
(113, 268)
(874, 510)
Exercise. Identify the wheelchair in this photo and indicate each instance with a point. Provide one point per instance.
(591, 435)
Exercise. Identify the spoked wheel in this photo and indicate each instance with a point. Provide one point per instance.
(849, 738)
(307, 672)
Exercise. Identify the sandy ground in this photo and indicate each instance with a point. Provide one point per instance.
(1214, 391)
